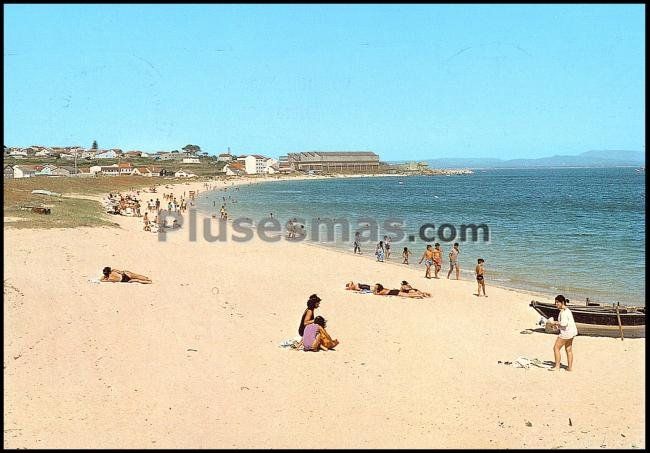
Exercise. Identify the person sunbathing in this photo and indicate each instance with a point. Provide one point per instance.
(379, 290)
(351, 286)
(117, 276)
(316, 337)
(407, 288)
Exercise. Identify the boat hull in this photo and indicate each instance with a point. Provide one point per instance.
(600, 321)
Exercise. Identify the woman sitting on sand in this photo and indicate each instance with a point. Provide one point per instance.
(308, 315)
(115, 276)
(316, 337)
(351, 286)
(407, 288)
(379, 290)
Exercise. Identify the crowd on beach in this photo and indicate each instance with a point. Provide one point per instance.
(312, 329)
(432, 258)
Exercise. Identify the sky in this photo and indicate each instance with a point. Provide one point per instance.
(404, 81)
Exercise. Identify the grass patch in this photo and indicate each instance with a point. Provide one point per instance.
(68, 212)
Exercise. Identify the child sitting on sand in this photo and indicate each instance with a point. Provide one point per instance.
(316, 337)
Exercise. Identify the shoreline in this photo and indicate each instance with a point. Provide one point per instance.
(193, 360)
(518, 286)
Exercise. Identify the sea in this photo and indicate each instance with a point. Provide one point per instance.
(579, 232)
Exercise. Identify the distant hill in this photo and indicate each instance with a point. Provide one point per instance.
(604, 158)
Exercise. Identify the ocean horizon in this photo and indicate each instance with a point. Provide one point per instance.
(573, 231)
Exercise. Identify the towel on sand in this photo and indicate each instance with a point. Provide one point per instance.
(291, 343)
(523, 362)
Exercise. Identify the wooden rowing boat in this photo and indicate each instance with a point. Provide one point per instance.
(600, 320)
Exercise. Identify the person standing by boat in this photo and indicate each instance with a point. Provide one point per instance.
(453, 261)
(568, 331)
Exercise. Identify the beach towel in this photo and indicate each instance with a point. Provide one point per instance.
(523, 362)
(292, 343)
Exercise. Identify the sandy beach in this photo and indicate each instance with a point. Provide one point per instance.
(193, 360)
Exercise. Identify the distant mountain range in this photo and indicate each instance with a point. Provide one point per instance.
(605, 158)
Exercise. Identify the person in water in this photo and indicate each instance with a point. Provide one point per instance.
(117, 276)
(453, 261)
(308, 316)
(316, 337)
(405, 254)
(357, 241)
(379, 251)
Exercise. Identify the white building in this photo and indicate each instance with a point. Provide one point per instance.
(110, 154)
(112, 170)
(24, 171)
(225, 157)
(256, 164)
(125, 168)
(183, 174)
(191, 160)
(234, 169)
(47, 170)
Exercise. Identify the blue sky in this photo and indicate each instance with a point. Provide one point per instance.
(405, 81)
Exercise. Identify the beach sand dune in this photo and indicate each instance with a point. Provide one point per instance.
(193, 360)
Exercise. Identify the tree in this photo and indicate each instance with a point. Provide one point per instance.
(191, 148)
(95, 144)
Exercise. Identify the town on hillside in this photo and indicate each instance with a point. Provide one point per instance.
(191, 161)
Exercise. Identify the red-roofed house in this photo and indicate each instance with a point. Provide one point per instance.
(234, 169)
(125, 168)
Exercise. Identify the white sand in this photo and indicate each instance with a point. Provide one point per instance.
(192, 361)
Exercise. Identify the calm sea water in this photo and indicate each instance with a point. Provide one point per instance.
(579, 232)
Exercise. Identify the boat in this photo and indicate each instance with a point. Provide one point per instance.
(46, 192)
(600, 320)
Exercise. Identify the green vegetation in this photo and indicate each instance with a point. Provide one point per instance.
(66, 211)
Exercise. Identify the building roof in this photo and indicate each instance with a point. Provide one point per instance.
(27, 167)
(335, 153)
(236, 166)
(256, 156)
